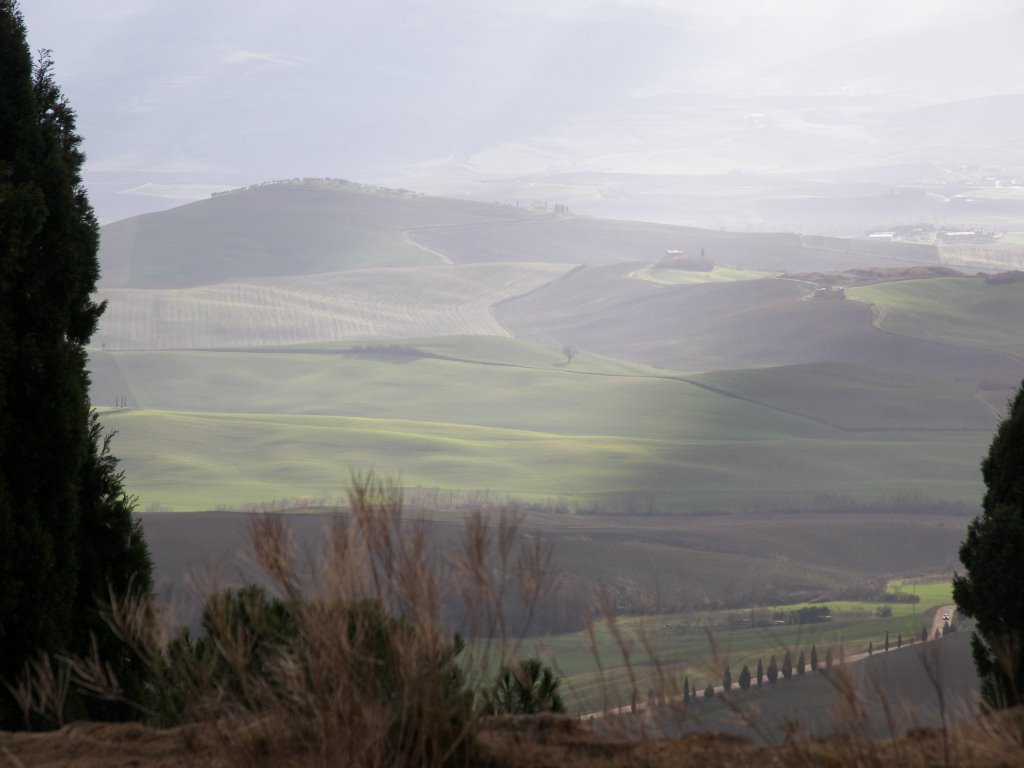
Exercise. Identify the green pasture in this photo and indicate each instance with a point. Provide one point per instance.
(205, 460)
(857, 397)
(537, 392)
(964, 311)
(207, 428)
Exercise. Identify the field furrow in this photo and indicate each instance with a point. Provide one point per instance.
(382, 303)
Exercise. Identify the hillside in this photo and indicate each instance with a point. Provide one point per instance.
(377, 303)
(756, 323)
(326, 226)
(279, 229)
(514, 420)
(261, 342)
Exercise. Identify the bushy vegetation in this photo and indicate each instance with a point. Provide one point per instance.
(527, 687)
(347, 658)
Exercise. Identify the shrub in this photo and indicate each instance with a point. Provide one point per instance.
(525, 688)
(351, 663)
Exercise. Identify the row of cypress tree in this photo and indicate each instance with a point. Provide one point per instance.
(67, 532)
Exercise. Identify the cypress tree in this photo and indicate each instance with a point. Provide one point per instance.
(51, 458)
(814, 658)
(787, 666)
(991, 589)
(760, 674)
(773, 671)
(801, 663)
(686, 691)
(726, 679)
(744, 678)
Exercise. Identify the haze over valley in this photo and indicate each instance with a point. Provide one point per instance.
(725, 301)
(276, 336)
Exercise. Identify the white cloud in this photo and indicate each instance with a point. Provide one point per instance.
(177, 191)
(149, 162)
(258, 57)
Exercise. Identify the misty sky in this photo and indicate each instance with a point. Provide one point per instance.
(176, 99)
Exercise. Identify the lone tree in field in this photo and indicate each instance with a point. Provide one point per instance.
(570, 352)
(67, 535)
(992, 589)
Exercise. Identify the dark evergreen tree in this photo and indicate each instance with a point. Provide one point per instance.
(814, 658)
(529, 687)
(787, 666)
(773, 671)
(726, 679)
(686, 691)
(924, 634)
(760, 674)
(744, 678)
(709, 692)
(801, 663)
(871, 648)
(899, 640)
(50, 460)
(828, 659)
(991, 591)
(887, 642)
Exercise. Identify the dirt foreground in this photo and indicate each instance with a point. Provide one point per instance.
(542, 741)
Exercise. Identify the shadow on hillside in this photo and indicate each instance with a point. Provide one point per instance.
(388, 353)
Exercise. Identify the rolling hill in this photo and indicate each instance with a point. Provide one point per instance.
(319, 226)
(399, 302)
(758, 323)
(260, 343)
(228, 428)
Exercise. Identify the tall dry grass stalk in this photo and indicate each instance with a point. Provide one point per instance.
(353, 662)
(869, 727)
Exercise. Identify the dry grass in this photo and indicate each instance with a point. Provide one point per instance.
(365, 671)
(372, 676)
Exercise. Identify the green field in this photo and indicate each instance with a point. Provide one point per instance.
(353, 304)
(965, 311)
(697, 645)
(514, 419)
